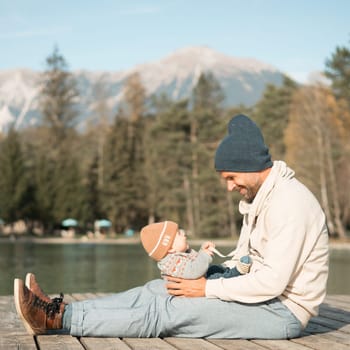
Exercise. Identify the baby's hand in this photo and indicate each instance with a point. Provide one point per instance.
(206, 246)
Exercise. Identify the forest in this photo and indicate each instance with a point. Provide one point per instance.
(154, 161)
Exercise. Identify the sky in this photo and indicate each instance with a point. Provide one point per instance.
(295, 36)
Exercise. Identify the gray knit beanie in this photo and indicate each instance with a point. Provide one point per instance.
(243, 149)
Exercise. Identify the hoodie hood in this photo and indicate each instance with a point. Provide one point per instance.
(250, 211)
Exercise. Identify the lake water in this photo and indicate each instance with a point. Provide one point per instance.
(86, 267)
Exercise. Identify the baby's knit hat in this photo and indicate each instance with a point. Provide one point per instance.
(158, 238)
(243, 149)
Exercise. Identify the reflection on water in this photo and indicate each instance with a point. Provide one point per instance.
(76, 267)
(107, 268)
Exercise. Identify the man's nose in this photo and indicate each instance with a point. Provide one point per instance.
(230, 185)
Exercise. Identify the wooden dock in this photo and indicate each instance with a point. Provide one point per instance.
(330, 330)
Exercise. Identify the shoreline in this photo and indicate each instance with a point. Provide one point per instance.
(334, 244)
(108, 240)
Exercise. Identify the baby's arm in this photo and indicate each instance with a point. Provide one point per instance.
(207, 247)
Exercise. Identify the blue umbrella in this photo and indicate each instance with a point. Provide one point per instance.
(104, 223)
(69, 222)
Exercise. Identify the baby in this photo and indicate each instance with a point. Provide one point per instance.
(165, 243)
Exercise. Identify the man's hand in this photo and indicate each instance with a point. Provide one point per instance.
(186, 288)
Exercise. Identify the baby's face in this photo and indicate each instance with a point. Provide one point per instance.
(180, 244)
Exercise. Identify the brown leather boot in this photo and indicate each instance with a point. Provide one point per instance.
(38, 315)
(34, 287)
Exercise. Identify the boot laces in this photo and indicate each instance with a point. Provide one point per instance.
(51, 308)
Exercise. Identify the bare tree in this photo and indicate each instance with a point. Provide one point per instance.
(312, 138)
(134, 97)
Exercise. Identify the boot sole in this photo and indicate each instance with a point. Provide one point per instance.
(27, 282)
(18, 307)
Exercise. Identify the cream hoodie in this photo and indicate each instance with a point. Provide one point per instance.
(284, 231)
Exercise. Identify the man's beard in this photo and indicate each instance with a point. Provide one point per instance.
(251, 194)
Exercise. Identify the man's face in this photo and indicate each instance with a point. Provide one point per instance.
(247, 184)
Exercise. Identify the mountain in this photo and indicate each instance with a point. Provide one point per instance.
(242, 80)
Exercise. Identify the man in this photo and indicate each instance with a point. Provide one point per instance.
(283, 231)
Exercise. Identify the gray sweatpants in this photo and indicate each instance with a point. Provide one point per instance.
(149, 311)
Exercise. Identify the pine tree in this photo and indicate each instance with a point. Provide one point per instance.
(103, 114)
(167, 162)
(43, 176)
(119, 200)
(14, 183)
(134, 103)
(58, 97)
(59, 183)
(68, 188)
(208, 199)
(338, 71)
(92, 206)
(123, 194)
(271, 113)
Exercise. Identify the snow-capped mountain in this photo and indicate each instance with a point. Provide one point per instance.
(242, 80)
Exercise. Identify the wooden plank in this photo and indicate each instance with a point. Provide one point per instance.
(319, 343)
(148, 344)
(331, 324)
(330, 330)
(233, 344)
(17, 342)
(335, 314)
(339, 301)
(68, 298)
(191, 343)
(58, 342)
(103, 294)
(10, 323)
(86, 296)
(315, 328)
(326, 332)
(336, 337)
(78, 296)
(332, 335)
(103, 344)
(339, 297)
(280, 345)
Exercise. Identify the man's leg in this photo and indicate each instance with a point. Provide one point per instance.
(42, 315)
(149, 311)
(214, 318)
(132, 313)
